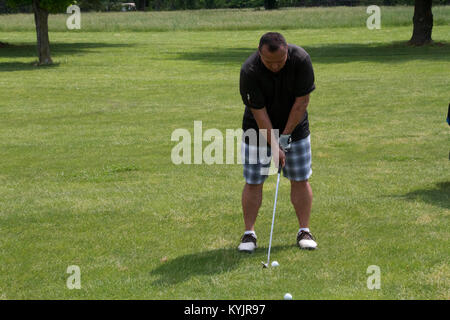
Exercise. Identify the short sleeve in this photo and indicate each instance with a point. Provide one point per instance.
(304, 77)
(250, 92)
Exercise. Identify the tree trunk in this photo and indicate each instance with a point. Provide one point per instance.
(43, 42)
(423, 23)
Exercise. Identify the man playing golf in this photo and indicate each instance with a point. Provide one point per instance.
(275, 83)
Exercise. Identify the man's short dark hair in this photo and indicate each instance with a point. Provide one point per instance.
(273, 40)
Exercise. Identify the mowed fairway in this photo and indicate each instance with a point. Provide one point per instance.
(86, 176)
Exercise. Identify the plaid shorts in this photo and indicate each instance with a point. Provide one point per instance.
(256, 162)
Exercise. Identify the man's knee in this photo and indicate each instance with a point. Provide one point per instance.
(302, 183)
(254, 186)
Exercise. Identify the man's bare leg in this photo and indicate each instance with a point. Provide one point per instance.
(251, 202)
(301, 198)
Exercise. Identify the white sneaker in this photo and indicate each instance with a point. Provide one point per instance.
(248, 243)
(305, 240)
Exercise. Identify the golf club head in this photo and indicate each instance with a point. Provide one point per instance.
(265, 265)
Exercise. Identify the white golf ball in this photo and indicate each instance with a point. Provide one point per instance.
(287, 296)
(275, 264)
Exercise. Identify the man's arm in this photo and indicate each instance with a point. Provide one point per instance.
(263, 121)
(297, 113)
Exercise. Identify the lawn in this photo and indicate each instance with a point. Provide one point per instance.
(86, 176)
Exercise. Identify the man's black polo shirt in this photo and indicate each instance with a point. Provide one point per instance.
(260, 87)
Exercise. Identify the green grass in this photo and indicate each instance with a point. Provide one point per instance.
(86, 177)
(229, 19)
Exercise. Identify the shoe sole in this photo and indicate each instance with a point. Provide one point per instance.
(306, 248)
(247, 251)
(310, 249)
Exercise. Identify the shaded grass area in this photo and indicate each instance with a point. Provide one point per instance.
(20, 50)
(396, 51)
(438, 195)
(209, 263)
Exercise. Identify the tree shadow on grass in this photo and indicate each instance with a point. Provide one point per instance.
(56, 49)
(207, 263)
(22, 66)
(438, 196)
(396, 51)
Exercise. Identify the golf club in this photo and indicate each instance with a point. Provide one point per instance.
(266, 265)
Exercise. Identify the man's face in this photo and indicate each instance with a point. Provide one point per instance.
(274, 61)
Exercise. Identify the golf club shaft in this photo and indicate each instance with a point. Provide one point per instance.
(273, 215)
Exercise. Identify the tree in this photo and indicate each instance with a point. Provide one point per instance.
(141, 4)
(41, 9)
(92, 5)
(270, 4)
(423, 23)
